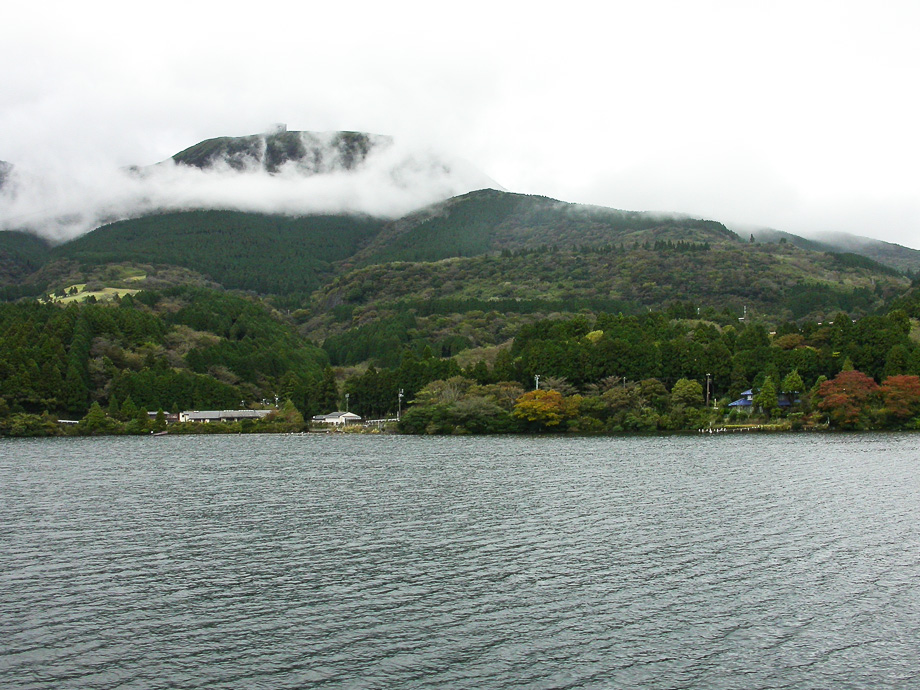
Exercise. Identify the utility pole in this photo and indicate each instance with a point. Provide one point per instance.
(399, 398)
(707, 389)
(347, 395)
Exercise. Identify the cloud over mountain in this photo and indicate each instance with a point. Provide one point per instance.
(294, 173)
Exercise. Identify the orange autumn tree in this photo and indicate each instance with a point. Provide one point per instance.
(846, 398)
(901, 397)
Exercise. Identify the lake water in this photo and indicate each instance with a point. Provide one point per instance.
(330, 561)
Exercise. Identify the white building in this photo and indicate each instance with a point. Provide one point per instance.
(337, 418)
(208, 416)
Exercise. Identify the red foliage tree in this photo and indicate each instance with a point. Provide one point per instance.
(846, 398)
(901, 396)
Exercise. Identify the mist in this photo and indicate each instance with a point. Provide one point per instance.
(62, 200)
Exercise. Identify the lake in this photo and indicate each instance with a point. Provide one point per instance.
(340, 561)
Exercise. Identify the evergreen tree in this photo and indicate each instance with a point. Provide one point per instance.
(328, 393)
(767, 399)
(95, 421)
(128, 409)
(75, 392)
(792, 386)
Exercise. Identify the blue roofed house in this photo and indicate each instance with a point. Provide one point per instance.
(746, 401)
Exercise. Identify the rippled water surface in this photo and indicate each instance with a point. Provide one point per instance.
(391, 562)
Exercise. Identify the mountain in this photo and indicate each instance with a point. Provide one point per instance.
(489, 220)
(483, 250)
(902, 258)
(310, 153)
(215, 306)
(772, 283)
(780, 237)
(281, 172)
(893, 255)
(216, 300)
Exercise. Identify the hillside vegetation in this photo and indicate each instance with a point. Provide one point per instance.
(770, 283)
(178, 348)
(489, 221)
(247, 251)
(459, 305)
(21, 255)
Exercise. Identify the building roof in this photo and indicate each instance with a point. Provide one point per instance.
(336, 415)
(220, 415)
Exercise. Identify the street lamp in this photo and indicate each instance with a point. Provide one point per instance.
(399, 398)
(536, 379)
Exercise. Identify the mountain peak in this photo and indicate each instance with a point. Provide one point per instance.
(309, 153)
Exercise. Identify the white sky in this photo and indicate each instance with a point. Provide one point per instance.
(802, 116)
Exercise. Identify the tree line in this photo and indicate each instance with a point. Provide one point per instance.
(195, 348)
(614, 372)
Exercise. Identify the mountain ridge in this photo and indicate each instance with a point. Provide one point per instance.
(287, 256)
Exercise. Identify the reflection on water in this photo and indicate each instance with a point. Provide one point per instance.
(392, 562)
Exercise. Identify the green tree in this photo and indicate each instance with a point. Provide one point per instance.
(767, 399)
(76, 392)
(96, 422)
(687, 392)
(113, 409)
(128, 409)
(792, 386)
(327, 395)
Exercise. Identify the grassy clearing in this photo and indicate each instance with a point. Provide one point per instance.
(79, 293)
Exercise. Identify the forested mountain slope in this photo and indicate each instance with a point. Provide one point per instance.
(21, 254)
(489, 220)
(182, 347)
(264, 253)
(902, 258)
(774, 282)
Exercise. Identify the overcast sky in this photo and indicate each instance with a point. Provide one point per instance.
(801, 116)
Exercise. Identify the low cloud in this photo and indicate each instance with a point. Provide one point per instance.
(63, 201)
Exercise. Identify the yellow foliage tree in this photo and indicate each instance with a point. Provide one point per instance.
(543, 407)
